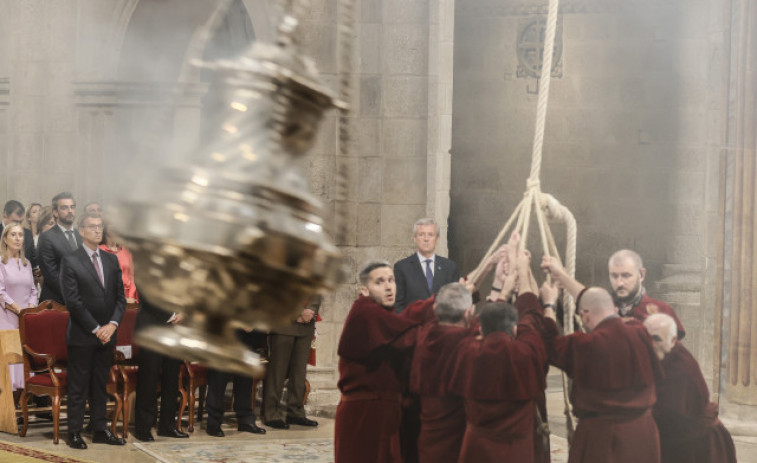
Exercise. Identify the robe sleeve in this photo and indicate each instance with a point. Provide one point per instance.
(370, 327)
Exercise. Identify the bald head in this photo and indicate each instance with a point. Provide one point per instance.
(596, 304)
(664, 332)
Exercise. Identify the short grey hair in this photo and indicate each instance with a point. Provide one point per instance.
(88, 215)
(497, 316)
(365, 272)
(426, 221)
(452, 302)
(624, 254)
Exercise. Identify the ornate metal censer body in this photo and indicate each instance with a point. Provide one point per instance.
(232, 237)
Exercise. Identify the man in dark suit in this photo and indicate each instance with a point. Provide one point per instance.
(418, 277)
(217, 381)
(289, 350)
(56, 243)
(422, 274)
(13, 211)
(93, 292)
(154, 367)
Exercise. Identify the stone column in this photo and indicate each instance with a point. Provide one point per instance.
(441, 44)
(737, 354)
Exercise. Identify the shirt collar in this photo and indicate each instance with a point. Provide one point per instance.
(64, 229)
(423, 259)
(91, 251)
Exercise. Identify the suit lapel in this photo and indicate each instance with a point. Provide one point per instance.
(61, 238)
(420, 273)
(438, 274)
(90, 266)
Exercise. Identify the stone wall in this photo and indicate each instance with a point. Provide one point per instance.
(88, 87)
(632, 137)
(399, 161)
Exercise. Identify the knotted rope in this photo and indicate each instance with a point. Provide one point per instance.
(543, 205)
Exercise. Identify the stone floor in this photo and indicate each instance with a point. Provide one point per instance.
(40, 435)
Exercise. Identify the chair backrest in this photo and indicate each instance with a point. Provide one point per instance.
(43, 330)
(125, 333)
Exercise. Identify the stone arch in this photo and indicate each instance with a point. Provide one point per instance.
(155, 35)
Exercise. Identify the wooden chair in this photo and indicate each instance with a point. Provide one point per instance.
(10, 355)
(43, 340)
(125, 369)
(191, 377)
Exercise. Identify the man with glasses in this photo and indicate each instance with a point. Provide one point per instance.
(93, 292)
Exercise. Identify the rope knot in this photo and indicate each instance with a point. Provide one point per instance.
(532, 183)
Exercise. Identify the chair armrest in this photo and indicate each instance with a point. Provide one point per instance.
(49, 359)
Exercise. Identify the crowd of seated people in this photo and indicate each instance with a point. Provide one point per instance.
(47, 253)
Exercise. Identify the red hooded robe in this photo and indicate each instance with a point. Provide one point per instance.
(502, 381)
(690, 431)
(374, 345)
(613, 370)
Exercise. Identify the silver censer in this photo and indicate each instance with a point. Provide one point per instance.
(231, 237)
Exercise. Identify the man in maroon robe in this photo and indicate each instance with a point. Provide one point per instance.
(501, 376)
(690, 431)
(613, 367)
(627, 273)
(442, 415)
(374, 345)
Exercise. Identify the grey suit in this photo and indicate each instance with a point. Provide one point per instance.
(411, 279)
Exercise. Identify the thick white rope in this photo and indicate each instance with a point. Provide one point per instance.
(546, 206)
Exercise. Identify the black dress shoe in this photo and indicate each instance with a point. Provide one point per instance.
(250, 427)
(76, 442)
(277, 424)
(172, 432)
(106, 437)
(144, 437)
(302, 421)
(214, 431)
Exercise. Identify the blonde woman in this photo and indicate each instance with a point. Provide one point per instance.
(17, 289)
(31, 220)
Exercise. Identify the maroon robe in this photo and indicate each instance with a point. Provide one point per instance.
(690, 431)
(502, 381)
(442, 415)
(642, 310)
(372, 350)
(613, 370)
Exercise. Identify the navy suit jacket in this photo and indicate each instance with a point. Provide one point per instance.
(89, 303)
(51, 248)
(410, 276)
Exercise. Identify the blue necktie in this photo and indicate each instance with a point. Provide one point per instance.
(429, 275)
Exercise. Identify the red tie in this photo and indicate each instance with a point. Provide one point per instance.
(97, 269)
